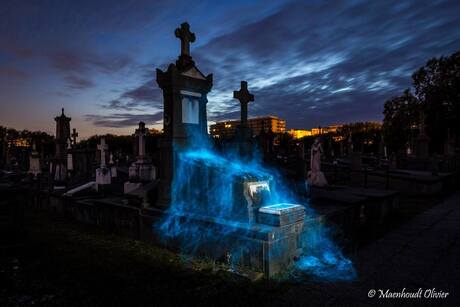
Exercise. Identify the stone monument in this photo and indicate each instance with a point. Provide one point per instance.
(34, 161)
(103, 176)
(315, 175)
(58, 165)
(69, 156)
(142, 170)
(113, 167)
(185, 91)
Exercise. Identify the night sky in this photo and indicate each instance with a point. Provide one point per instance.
(312, 63)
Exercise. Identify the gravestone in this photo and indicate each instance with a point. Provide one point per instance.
(103, 176)
(58, 167)
(34, 161)
(243, 132)
(142, 170)
(113, 167)
(185, 91)
(69, 156)
(315, 175)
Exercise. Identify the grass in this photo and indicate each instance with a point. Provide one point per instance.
(61, 263)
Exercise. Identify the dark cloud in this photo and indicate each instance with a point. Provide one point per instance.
(16, 50)
(147, 92)
(78, 83)
(83, 62)
(309, 62)
(147, 95)
(122, 120)
(321, 63)
(13, 73)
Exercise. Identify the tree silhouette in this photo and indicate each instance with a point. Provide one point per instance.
(401, 118)
(437, 86)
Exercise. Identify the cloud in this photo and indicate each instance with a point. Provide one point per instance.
(78, 83)
(13, 73)
(145, 96)
(309, 62)
(83, 62)
(16, 50)
(122, 120)
(315, 63)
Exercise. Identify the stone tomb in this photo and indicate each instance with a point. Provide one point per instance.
(260, 233)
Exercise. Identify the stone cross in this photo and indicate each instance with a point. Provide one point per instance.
(244, 96)
(140, 133)
(102, 147)
(74, 136)
(186, 37)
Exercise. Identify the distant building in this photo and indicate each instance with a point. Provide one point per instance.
(327, 129)
(226, 129)
(19, 142)
(299, 133)
(154, 131)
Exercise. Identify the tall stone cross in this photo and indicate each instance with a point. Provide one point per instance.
(74, 136)
(244, 97)
(102, 147)
(140, 133)
(186, 37)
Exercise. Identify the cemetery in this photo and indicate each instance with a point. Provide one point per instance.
(254, 210)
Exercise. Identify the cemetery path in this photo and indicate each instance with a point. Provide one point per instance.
(61, 263)
(420, 254)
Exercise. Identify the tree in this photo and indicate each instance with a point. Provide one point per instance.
(366, 135)
(437, 86)
(401, 116)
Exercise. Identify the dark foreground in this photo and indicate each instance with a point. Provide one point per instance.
(55, 262)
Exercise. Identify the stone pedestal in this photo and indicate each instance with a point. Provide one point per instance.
(113, 171)
(69, 161)
(59, 171)
(103, 176)
(140, 171)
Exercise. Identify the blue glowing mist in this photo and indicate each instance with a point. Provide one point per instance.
(208, 215)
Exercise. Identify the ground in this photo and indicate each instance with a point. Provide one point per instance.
(56, 262)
